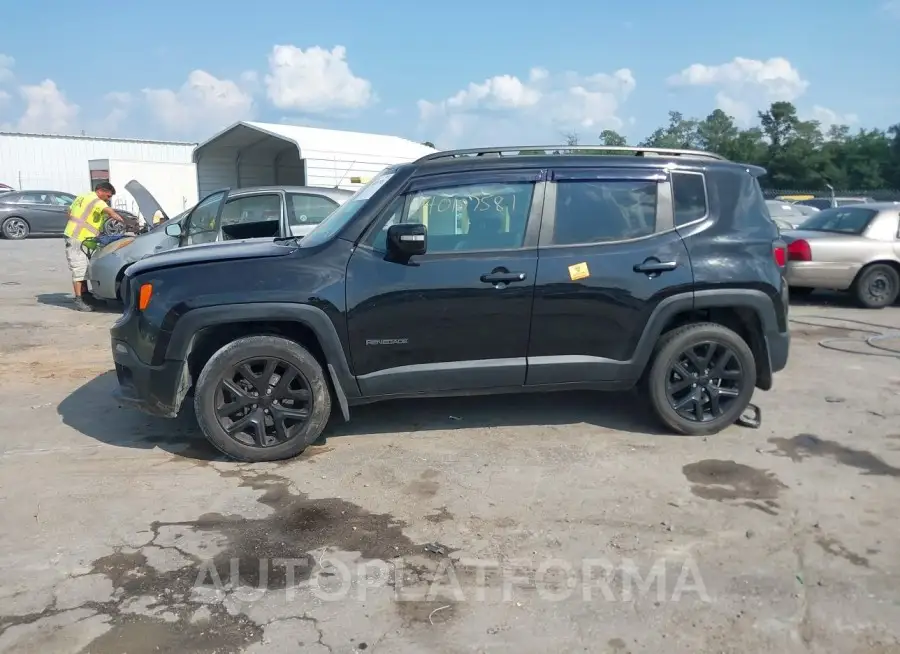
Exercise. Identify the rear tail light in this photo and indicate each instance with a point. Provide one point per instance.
(799, 251)
(780, 255)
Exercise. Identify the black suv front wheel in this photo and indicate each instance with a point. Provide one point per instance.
(701, 379)
(262, 398)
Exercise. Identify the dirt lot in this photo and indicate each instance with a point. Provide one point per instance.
(514, 524)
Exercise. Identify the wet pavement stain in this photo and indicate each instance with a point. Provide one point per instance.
(153, 611)
(836, 548)
(722, 481)
(803, 446)
(296, 527)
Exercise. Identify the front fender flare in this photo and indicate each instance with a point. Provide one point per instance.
(191, 323)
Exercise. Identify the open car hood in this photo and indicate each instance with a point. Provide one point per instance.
(147, 204)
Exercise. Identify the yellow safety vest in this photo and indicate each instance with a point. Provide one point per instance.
(85, 217)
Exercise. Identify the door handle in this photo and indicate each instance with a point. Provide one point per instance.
(655, 266)
(503, 277)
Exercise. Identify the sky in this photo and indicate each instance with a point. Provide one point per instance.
(461, 73)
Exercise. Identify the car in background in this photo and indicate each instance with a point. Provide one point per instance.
(6, 188)
(830, 203)
(853, 248)
(259, 212)
(785, 214)
(23, 213)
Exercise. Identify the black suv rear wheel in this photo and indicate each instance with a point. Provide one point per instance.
(701, 379)
(262, 398)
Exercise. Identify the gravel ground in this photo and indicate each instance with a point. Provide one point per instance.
(556, 523)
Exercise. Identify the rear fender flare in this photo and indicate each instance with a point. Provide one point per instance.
(189, 325)
(757, 301)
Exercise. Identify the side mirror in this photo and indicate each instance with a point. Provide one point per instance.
(407, 239)
(173, 230)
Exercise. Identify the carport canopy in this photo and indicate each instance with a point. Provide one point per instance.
(262, 154)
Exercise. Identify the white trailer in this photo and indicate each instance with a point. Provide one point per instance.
(261, 154)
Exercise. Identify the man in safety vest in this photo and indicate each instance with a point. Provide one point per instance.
(87, 214)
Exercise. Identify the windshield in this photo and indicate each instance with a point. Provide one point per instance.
(847, 220)
(337, 219)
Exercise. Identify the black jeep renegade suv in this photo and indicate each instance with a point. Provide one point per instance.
(471, 271)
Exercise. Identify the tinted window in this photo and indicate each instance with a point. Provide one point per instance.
(251, 209)
(305, 209)
(849, 220)
(341, 216)
(689, 195)
(466, 218)
(201, 226)
(600, 211)
(61, 200)
(34, 198)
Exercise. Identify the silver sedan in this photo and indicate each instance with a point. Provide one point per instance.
(258, 212)
(854, 248)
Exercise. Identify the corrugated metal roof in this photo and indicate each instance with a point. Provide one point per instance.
(332, 140)
(87, 137)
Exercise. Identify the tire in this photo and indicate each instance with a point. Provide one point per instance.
(671, 349)
(876, 286)
(15, 228)
(224, 364)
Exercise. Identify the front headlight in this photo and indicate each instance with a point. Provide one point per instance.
(115, 245)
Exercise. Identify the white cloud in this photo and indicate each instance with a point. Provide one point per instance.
(203, 104)
(744, 85)
(118, 105)
(315, 80)
(827, 117)
(4, 98)
(6, 66)
(507, 108)
(47, 109)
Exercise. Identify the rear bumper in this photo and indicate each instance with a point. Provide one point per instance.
(156, 390)
(814, 274)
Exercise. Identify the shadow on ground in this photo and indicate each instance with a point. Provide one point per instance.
(93, 411)
(66, 301)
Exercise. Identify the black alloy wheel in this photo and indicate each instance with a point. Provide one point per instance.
(263, 402)
(703, 381)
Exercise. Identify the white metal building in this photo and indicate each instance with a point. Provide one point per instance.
(61, 163)
(255, 154)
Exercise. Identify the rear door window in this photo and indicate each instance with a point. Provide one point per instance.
(308, 208)
(599, 211)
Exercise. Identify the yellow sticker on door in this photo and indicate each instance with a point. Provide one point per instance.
(579, 271)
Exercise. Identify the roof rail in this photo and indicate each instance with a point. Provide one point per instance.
(638, 151)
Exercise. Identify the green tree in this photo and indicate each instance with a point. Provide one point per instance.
(680, 133)
(612, 138)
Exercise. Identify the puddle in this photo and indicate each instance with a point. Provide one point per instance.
(803, 446)
(718, 480)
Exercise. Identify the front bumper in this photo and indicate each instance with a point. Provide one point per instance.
(156, 390)
(101, 276)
